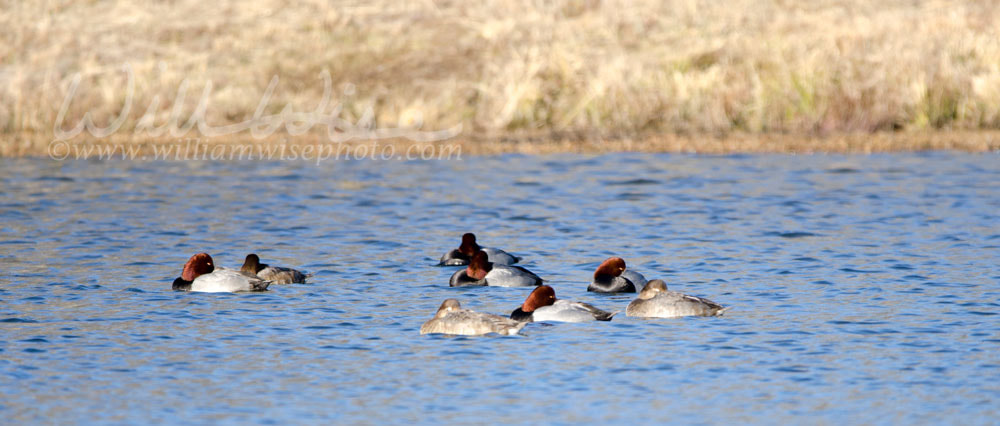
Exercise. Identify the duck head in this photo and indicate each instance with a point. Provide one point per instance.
(251, 265)
(198, 265)
(652, 288)
(541, 296)
(611, 267)
(479, 266)
(469, 246)
(448, 306)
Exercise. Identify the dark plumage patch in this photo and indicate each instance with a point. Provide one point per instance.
(181, 284)
(520, 315)
(606, 284)
(462, 279)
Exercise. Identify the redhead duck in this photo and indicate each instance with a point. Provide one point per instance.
(200, 274)
(452, 319)
(482, 272)
(464, 253)
(655, 301)
(275, 274)
(542, 305)
(611, 277)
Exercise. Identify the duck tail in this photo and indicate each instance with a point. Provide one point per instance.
(259, 285)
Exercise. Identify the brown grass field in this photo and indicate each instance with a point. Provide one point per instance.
(518, 75)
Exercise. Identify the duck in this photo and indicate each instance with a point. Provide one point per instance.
(636, 278)
(655, 301)
(452, 319)
(468, 248)
(482, 272)
(612, 276)
(200, 274)
(542, 305)
(274, 274)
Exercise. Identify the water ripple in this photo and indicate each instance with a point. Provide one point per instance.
(861, 287)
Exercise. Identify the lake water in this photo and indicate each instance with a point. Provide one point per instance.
(865, 289)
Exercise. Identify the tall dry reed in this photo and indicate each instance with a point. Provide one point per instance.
(515, 66)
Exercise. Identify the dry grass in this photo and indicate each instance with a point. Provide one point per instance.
(609, 70)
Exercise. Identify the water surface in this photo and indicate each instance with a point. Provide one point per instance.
(864, 289)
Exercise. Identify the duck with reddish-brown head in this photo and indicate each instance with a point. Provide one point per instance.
(542, 305)
(612, 276)
(201, 274)
(482, 272)
(469, 247)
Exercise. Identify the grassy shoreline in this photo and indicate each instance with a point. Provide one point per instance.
(282, 147)
(609, 67)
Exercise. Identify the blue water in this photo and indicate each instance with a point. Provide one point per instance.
(865, 289)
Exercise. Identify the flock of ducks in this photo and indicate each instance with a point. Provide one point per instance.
(484, 267)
